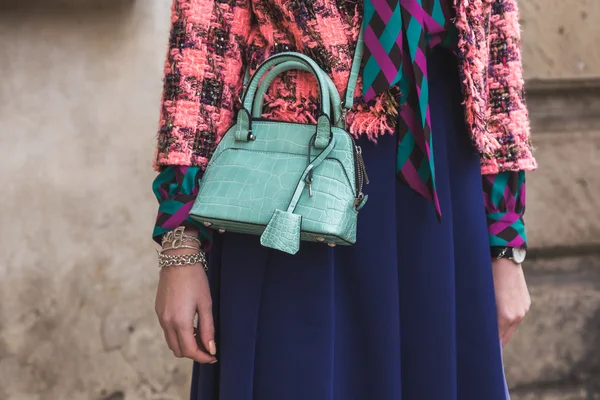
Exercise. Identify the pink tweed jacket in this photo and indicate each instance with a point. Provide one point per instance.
(213, 42)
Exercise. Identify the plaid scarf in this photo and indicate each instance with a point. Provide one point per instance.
(397, 34)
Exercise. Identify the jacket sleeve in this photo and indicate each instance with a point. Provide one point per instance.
(504, 198)
(203, 76)
(507, 115)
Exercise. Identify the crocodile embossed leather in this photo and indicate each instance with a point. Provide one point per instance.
(285, 181)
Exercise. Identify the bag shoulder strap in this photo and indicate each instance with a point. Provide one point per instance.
(354, 71)
(245, 82)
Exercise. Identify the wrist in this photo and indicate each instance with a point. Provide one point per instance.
(504, 263)
(167, 250)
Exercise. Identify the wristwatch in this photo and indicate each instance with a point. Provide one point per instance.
(512, 253)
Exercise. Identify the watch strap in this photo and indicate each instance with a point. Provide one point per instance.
(516, 254)
(501, 252)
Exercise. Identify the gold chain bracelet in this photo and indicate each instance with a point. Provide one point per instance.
(168, 260)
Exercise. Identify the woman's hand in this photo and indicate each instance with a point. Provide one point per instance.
(512, 296)
(182, 292)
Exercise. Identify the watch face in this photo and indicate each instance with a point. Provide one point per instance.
(519, 255)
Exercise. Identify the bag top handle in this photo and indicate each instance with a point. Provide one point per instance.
(280, 58)
(333, 93)
(352, 78)
(324, 133)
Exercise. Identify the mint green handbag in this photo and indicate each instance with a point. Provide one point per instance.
(286, 181)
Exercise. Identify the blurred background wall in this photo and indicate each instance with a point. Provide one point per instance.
(80, 83)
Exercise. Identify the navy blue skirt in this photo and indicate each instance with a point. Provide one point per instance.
(407, 313)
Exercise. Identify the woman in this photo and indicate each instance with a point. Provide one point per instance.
(416, 309)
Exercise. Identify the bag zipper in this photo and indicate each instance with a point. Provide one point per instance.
(360, 171)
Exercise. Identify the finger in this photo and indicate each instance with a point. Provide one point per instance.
(189, 347)
(173, 342)
(207, 328)
(510, 331)
(503, 337)
(503, 326)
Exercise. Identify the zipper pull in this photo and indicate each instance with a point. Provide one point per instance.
(358, 200)
(309, 183)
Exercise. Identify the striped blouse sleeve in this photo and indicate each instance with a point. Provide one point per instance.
(176, 188)
(504, 197)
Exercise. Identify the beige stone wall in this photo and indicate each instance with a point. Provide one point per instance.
(79, 93)
(78, 109)
(556, 355)
(560, 39)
